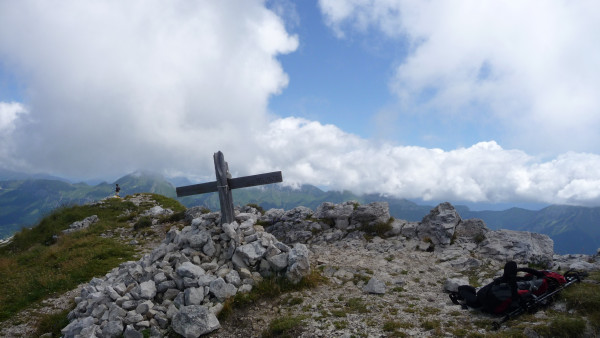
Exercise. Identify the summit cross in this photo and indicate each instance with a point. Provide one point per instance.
(224, 184)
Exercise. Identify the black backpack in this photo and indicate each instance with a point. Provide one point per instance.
(509, 291)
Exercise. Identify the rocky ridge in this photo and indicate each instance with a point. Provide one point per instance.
(185, 280)
(441, 231)
(182, 283)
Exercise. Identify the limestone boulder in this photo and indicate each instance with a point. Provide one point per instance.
(194, 320)
(338, 214)
(375, 286)
(80, 225)
(439, 225)
(371, 214)
(471, 230)
(298, 263)
(521, 246)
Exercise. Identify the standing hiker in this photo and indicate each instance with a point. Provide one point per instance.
(117, 189)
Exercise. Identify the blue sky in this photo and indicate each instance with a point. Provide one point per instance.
(326, 71)
(346, 82)
(482, 102)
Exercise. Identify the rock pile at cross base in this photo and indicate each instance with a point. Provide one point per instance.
(183, 282)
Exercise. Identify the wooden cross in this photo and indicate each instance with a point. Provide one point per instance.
(224, 184)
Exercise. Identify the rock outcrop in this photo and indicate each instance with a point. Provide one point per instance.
(518, 246)
(442, 230)
(80, 225)
(184, 281)
(439, 226)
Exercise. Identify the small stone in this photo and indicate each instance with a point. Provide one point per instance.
(193, 296)
(189, 269)
(148, 289)
(375, 286)
(131, 332)
(160, 277)
(233, 277)
(142, 308)
(221, 289)
(452, 284)
(162, 321)
(129, 305)
(194, 321)
(170, 294)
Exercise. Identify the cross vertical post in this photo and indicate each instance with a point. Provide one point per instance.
(225, 195)
(224, 184)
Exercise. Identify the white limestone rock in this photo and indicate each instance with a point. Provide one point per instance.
(194, 321)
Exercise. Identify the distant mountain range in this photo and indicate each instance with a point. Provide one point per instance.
(25, 199)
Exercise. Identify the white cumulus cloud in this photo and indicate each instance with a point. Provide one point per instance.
(308, 151)
(114, 86)
(10, 113)
(529, 68)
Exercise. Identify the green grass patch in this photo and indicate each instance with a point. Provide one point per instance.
(378, 229)
(59, 220)
(459, 332)
(52, 323)
(430, 310)
(269, 288)
(143, 222)
(42, 261)
(174, 217)
(263, 223)
(431, 325)
(257, 207)
(479, 238)
(339, 313)
(483, 323)
(33, 275)
(562, 326)
(393, 325)
(284, 327)
(295, 301)
(584, 298)
(398, 289)
(340, 324)
(359, 277)
(356, 305)
(167, 203)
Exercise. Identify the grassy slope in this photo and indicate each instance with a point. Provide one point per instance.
(25, 202)
(36, 265)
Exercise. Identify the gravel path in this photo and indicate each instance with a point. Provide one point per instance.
(414, 303)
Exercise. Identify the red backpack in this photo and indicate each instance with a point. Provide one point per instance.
(509, 291)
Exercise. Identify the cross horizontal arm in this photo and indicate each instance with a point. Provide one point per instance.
(234, 183)
(254, 180)
(194, 189)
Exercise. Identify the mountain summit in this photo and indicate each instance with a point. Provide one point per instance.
(23, 202)
(385, 276)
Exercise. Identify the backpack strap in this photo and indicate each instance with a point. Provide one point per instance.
(510, 277)
(537, 273)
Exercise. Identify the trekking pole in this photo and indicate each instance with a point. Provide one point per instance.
(531, 306)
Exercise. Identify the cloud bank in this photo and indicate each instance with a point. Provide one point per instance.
(114, 86)
(485, 172)
(121, 85)
(10, 113)
(530, 69)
